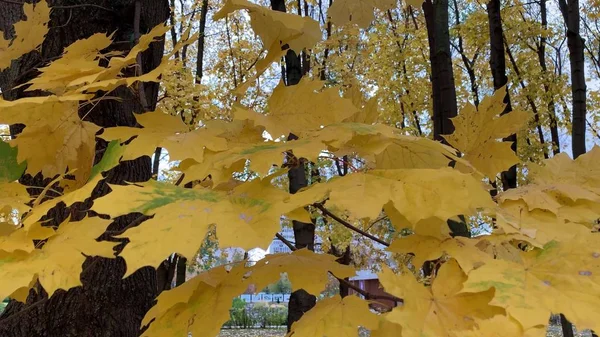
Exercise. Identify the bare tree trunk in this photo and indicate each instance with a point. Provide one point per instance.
(570, 13)
(541, 52)
(498, 67)
(106, 304)
(442, 81)
(442, 75)
(172, 22)
(200, 57)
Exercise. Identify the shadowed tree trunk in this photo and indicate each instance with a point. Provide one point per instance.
(304, 233)
(570, 12)
(106, 304)
(442, 83)
(442, 75)
(498, 67)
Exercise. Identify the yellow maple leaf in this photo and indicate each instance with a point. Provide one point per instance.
(501, 326)
(440, 309)
(157, 125)
(478, 133)
(335, 316)
(80, 59)
(246, 217)
(357, 11)
(302, 260)
(301, 107)
(416, 194)
(426, 248)
(582, 172)
(546, 282)
(201, 305)
(69, 143)
(22, 239)
(276, 28)
(29, 34)
(58, 263)
(541, 225)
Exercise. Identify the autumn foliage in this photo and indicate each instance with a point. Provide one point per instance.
(542, 256)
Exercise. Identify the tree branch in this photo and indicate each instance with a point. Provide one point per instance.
(286, 242)
(367, 294)
(349, 226)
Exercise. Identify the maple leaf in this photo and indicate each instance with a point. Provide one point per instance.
(157, 126)
(386, 328)
(541, 225)
(29, 34)
(202, 304)
(21, 239)
(501, 326)
(416, 194)
(69, 198)
(437, 310)
(335, 316)
(80, 59)
(582, 172)
(296, 264)
(426, 248)
(58, 263)
(275, 28)
(246, 217)
(478, 131)
(70, 144)
(546, 282)
(111, 158)
(10, 169)
(358, 12)
(300, 107)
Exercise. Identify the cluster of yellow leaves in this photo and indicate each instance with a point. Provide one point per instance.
(29, 34)
(484, 284)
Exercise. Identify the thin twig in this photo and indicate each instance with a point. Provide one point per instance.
(286, 242)
(592, 128)
(349, 226)
(367, 294)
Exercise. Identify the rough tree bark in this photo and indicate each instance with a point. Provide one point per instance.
(106, 304)
(498, 67)
(570, 12)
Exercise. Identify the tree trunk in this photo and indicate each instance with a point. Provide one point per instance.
(442, 81)
(304, 233)
(200, 57)
(106, 304)
(541, 52)
(442, 75)
(498, 67)
(570, 13)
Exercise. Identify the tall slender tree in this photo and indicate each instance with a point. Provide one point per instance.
(498, 67)
(571, 16)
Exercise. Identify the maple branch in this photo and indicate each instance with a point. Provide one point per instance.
(367, 294)
(286, 242)
(592, 128)
(349, 226)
